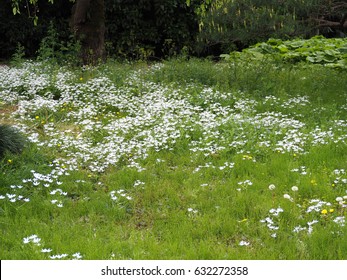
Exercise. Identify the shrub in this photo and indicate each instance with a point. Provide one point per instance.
(10, 140)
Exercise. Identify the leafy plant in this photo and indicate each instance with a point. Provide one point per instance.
(17, 57)
(317, 50)
(54, 49)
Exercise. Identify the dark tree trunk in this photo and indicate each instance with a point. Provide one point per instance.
(88, 24)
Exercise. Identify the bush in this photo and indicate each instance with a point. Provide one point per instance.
(10, 140)
(53, 49)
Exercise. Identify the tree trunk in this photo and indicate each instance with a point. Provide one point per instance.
(88, 24)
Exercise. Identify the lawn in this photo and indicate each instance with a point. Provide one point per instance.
(183, 159)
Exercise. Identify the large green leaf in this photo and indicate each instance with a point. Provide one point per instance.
(318, 50)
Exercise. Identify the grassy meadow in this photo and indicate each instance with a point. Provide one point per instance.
(183, 159)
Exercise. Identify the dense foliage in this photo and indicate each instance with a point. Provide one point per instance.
(149, 28)
(318, 50)
(236, 24)
(153, 28)
(19, 29)
(137, 29)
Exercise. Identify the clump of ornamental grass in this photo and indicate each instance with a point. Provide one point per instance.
(11, 140)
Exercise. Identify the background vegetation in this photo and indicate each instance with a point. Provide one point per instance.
(236, 24)
(156, 29)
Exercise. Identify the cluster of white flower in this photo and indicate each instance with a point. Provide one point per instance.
(75, 256)
(112, 123)
(317, 205)
(309, 229)
(244, 243)
(302, 170)
(294, 102)
(138, 183)
(226, 165)
(40, 180)
(120, 193)
(340, 220)
(192, 211)
(269, 221)
(34, 239)
(14, 197)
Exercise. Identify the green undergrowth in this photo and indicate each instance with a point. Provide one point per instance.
(317, 50)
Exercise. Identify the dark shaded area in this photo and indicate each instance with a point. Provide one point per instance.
(155, 29)
(88, 25)
(134, 29)
(150, 28)
(20, 28)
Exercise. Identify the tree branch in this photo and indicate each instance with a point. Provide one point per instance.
(328, 23)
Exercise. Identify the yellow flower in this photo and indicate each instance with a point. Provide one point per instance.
(331, 210)
(314, 182)
(247, 157)
(324, 211)
(37, 117)
(9, 161)
(81, 78)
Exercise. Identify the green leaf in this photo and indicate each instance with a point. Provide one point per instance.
(329, 58)
(225, 56)
(331, 52)
(343, 49)
(274, 42)
(296, 44)
(282, 48)
(319, 58)
(311, 59)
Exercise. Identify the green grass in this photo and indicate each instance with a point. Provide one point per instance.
(191, 177)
